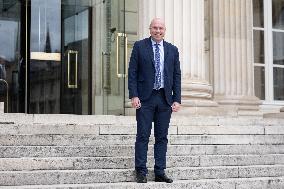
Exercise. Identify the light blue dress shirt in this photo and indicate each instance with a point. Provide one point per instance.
(161, 50)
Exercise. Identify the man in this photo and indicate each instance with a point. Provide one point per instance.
(154, 85)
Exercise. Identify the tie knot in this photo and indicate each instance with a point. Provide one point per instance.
(157, 45)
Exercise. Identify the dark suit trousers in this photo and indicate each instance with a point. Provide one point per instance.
(158, 110)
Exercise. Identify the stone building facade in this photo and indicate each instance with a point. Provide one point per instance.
(218, 51)
(231, 52)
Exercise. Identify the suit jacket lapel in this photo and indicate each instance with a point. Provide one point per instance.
(166, 53)
(150, 51)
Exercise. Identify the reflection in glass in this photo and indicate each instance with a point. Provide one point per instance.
(259, 82)
(75, 69)
(278, 14)
(278, 48)
(45, 74)
(258, 41)
(278, 81)
(11, 63)
(258, 13)
(45, 19)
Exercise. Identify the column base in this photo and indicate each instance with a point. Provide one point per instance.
(202, 111)
(242, 103)
(197, 90)
(202, 108)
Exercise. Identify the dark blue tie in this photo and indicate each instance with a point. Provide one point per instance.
(157, 84)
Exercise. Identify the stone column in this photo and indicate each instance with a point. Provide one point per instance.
(185, 28)
(196, 88)
(232, 53)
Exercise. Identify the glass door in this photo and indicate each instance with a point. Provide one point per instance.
(75, 77)
(59, 78)
(66, 56)
(12, 80)
(110, 56)
(44, 60)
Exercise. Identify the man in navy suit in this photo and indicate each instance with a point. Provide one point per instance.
(154, 85)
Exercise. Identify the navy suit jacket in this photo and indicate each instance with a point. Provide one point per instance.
(141, 71)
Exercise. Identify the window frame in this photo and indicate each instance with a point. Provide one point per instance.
(268, 53)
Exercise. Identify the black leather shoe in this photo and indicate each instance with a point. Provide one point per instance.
(140, 178)
(163, 178)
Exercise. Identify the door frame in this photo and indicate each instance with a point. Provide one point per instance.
(25, 52)
(90, 39)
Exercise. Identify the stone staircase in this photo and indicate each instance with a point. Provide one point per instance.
(69, 151)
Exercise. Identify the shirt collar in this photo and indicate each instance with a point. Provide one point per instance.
(161, 43)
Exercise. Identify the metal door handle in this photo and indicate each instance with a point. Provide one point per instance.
(103, 69)
(75, 84)
(119, 75)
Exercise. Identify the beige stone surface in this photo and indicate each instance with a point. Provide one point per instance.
(100, 149)
(221, 130)
(274, 115)
(276, 130)
(1, 107)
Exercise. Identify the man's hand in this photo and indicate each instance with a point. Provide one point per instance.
(135, 102)
(175, 106)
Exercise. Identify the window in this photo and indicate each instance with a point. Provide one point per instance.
(268, 39)
(278, 48)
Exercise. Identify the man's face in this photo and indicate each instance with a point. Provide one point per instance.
(157, 30)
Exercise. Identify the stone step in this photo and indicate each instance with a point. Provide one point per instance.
(104, 140)
(37, 129)
(232, 183)
(81, 163)
(197, 130)
(20, 118)
(15, 178)
(128, 150)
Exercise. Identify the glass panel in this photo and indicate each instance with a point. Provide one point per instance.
(278, 48)
(11, 69)
(259, 82)
(45, 26)
(76, 58)
(45, 67)
(258, 13)
(278, 79)
(114, 19)
(115, 64)
(278, 14)
(109, 56)
(258, 42)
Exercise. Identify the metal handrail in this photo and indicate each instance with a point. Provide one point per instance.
(7, 93)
